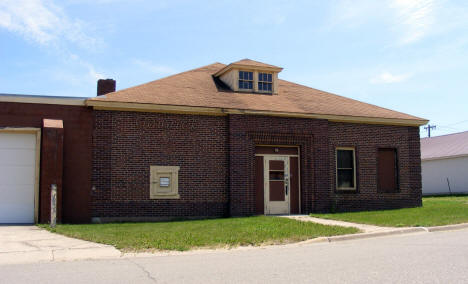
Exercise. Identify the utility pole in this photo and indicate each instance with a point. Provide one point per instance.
(428, 128)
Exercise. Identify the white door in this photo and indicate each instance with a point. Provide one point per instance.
(276, 184)
(17, 177)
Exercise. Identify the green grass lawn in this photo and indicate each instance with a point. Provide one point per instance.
(185, 235)
(436, 211)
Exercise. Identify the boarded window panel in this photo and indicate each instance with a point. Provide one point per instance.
(387, 170)
(276, 165)
(277, 192)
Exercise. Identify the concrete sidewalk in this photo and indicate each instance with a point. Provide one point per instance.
(30, 244)
(363, 227)
(369, 231)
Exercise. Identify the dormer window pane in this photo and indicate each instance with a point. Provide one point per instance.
(245, 80)
(265, 82)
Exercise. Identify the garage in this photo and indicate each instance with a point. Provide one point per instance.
(18, 175)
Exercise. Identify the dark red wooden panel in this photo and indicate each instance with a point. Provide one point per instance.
(276, 165)
(277, 190)
(294, 184)
(387, 174)
(259, 192)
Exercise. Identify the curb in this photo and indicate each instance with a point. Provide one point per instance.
(315, 240)
(402, 231)
(376, 234)
(447, 227)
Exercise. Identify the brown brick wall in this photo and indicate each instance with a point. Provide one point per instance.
(51, 171)
(367, 139)
(77, 155)
(311, 135)
(216, 157)
(126, 144)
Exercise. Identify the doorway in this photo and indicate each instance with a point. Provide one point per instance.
(277, 180)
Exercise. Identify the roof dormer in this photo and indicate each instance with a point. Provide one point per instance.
(250, 76)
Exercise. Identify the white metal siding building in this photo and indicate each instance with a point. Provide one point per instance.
(445, 164)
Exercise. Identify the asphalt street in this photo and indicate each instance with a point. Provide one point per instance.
(439, 257)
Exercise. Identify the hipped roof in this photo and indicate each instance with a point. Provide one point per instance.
(199, 88)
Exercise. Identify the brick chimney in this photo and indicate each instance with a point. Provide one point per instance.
(105, 86)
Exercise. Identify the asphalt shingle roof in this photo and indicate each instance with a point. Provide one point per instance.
(199, 88)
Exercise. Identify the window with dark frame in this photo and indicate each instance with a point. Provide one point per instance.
(245, 80)
(265, 82)
(387, 170)
(345, 169)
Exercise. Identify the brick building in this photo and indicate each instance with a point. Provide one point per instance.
(235, 140)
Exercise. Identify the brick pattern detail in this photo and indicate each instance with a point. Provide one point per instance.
(311, 135)
(126, 144)
(216, 156)
(367, 139)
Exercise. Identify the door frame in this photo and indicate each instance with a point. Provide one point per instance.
(266, 181)
(298, 156)
(37, 132)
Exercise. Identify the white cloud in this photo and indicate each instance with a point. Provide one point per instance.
(414, 18)
(43, 22)
(410, 20)
(388, 78)
(46, 24)
(154, 68)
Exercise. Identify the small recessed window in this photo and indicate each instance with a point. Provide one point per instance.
(345, 169)
(245, 80)
(276, 175)
(164, 181)
(265, 82)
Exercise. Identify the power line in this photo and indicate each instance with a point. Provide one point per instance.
(460, 122)
(447, 127)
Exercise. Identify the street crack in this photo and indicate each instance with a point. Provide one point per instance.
(148, 274)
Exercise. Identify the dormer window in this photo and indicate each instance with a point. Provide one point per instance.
(265, 82)
(249, 76)
(245, 80)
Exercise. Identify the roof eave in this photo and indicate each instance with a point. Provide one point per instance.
(53, 100)
(148, 107)
(249, 67)
(444, 157)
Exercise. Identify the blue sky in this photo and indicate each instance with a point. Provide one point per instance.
(407, 55)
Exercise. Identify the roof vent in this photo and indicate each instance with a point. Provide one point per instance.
(105, 86)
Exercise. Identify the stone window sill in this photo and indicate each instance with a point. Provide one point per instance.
(165, 196)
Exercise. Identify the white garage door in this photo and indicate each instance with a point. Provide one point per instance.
(17, 177)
